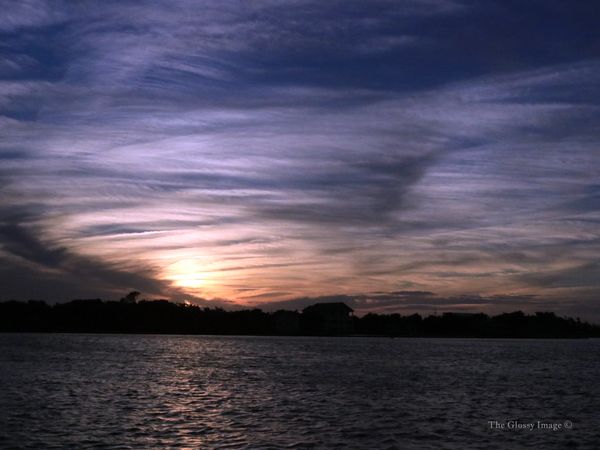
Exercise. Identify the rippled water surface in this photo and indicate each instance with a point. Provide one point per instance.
(119, 391)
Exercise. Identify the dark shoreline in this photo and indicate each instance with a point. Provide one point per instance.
(363, 336)
(326, 319)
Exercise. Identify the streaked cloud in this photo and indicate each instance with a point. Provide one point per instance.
(267, 151)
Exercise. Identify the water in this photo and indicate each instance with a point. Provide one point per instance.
(116, 391)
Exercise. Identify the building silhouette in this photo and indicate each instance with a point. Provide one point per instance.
(328, 318)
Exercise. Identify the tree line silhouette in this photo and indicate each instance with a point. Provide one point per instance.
(162, 316)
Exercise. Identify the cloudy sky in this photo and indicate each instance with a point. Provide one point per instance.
(410, 155)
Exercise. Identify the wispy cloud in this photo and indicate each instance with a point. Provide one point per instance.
(248, 151)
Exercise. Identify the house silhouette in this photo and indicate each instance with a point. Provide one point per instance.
(328, 318)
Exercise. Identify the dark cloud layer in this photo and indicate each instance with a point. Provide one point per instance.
(426, 303)
(34, 269)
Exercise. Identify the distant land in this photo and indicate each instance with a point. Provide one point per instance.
(331, 319)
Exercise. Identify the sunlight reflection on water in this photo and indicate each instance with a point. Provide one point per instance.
(116, 391)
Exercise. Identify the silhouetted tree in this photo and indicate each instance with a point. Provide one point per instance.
(162, 316)
(131, 297)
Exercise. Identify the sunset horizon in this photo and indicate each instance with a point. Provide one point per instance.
(404, 157)
(308, 224)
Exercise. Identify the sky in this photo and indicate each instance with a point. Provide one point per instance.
(400, 156)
